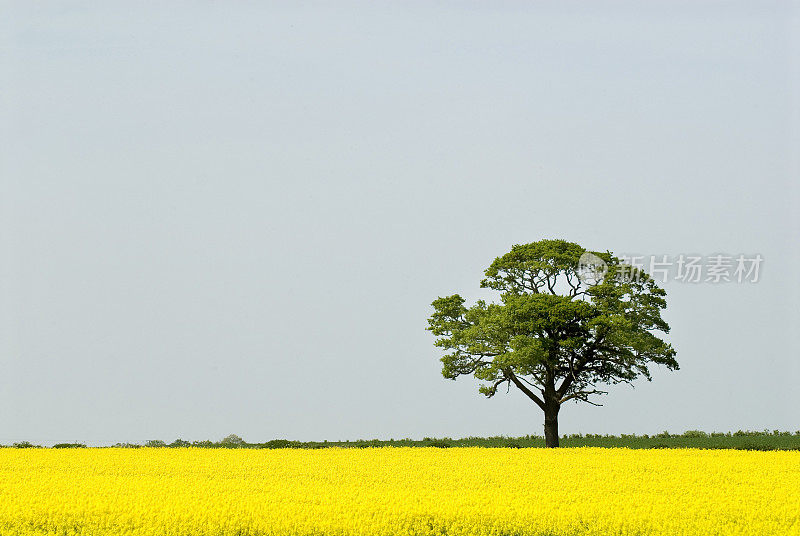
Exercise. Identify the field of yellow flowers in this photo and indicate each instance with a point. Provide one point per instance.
(399, 491)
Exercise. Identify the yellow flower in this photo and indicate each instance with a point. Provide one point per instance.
(399, 491)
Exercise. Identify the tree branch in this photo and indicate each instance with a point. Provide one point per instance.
(530, 394)
(493, 389)
(583, 396)
(550, 285)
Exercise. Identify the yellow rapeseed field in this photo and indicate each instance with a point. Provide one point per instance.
(399, 491)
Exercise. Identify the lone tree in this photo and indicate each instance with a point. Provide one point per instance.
(569, 321)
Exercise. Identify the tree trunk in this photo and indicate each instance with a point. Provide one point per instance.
(551, 425)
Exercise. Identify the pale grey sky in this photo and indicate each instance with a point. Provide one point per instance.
(232, 217)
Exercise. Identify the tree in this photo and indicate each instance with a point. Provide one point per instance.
(232, 441)
(569, 322)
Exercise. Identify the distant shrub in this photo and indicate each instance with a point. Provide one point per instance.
(69, 446)
(694, 433)
(155, 443)
(179, 443)
(279, 444)
(233, 441)
(366, 443)
(438, 443)
(25, 445)
(127, 445)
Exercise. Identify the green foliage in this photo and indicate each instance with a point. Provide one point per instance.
(279, 444)
(745, 440)
(438, 443)
(25, 445)
(155, 443)
(750, 441)
(694, 433)
(69, 446)
(232, 442)
(552, 335)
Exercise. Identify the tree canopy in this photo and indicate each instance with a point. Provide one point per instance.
(568, 322)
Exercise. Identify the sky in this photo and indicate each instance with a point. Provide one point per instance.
(225, 218)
